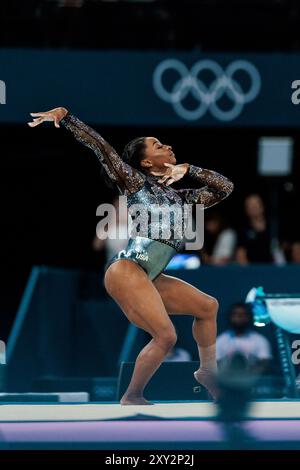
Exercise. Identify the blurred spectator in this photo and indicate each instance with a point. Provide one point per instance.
(219, 240)
(291, 251)
(113, 245)
(295, 252)
(240, 338)
(110, 246)
(254, 238)
(177, 355)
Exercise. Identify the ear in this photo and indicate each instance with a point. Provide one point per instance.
(146, 163)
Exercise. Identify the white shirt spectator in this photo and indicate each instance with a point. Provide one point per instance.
(178, 355)
(252, 345)
(225, 245)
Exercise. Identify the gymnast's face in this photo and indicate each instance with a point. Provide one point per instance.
(156, 154)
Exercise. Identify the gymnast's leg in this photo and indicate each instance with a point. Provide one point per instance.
(131, 288)
(179, 297)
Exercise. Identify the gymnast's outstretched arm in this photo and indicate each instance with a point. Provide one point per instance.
(217, 187)
(119, 172)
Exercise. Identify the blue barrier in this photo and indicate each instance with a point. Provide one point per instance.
(58, 334)
(25, 306)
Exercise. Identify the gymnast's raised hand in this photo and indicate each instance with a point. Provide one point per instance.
(55, 115)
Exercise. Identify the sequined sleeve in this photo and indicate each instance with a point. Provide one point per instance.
(217, 187)
(122, 174)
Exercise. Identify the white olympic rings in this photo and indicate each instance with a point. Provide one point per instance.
(207, 96)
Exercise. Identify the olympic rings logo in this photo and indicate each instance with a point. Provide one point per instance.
(207, 96)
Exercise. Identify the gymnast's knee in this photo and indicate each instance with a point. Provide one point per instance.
(209, 310)
(167, 339)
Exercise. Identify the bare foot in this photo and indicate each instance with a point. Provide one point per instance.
(208, 380)
(134, 400)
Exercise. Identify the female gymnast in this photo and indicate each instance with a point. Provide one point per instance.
(137, 283)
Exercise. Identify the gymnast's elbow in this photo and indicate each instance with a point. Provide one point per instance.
(226, 191)
(230, 187)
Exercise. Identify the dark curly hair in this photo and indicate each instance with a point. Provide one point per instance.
(132, 154)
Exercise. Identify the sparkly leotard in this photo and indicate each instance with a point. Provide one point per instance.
(152, 254)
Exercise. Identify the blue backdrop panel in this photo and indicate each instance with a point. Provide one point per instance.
(41, 342)
(152, 88)
(98, 331)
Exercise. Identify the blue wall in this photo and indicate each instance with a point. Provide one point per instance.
(117, 88)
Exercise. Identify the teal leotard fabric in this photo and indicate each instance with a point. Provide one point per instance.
(152, 255)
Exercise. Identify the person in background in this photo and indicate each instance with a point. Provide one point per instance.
(240, 338)
(104, 248)
(254, 238)
(295, 252)
(220, 241)
(291, 250)
(178, 355)
(113, 245)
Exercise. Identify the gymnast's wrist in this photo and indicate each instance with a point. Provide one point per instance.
(66, 117)
(193, 170)
(187, 166)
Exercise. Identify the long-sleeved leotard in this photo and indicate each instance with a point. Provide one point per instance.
(128, 179)
(141, 188)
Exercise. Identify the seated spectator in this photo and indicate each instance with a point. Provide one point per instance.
(219, 240)
(177, 355)
(295, 252)
(105, 249)
(291, 250)
(113, 245)
(254, 238)
(241, 338)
